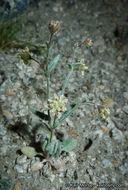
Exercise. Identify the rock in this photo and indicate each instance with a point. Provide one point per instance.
(37, 166)
(100, 44)
(124, 169)
(2, 130)
(61, 134)
(52, 178)
(107, 163)
(70, 123)
(125, 94)
(117, 135)
(3, 150)
(21, 159)
(19, 169)
(125, 109)
(119, 124)
(7, 114)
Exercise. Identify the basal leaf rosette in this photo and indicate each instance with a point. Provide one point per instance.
(57, 104)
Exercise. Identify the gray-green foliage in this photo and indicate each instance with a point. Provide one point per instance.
(30, 152)
(53, 63)
(55, 147)
(68, 145)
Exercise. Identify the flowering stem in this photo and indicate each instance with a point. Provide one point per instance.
(48, 87)
(66, 81)
(51, 135)
(47, 73)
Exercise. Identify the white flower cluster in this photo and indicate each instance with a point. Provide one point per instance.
(24, 56)
(57, 104)
(82, 68)
(104, 112)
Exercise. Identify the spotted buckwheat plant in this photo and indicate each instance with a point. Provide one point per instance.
(58, 108)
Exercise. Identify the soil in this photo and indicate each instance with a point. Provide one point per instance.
(100, 160)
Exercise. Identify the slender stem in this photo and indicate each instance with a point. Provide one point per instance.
(66, 82)
(51, 135)
(48, 74)
(54, 120)
(37, 62)
(52, 128)
(48, 87)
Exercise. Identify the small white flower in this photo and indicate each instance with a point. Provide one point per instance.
(103, 111)
(82, 68)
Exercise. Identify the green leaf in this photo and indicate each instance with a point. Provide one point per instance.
(53, 63)
(40, 114)
(30, 152)
(70, 109)
(75, 65)
(51, 148)
(42, 130)
(69, 144)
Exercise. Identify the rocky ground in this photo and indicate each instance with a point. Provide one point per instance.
(101, 153)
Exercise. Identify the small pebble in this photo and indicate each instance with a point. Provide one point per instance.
(19, 169)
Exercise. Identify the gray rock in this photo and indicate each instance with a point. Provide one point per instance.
(107, 163)
(2, 130)
(3, 150)
(118, 123)
(19, 169)
(125, 94)
(125, 109)
(124, 169)
(21, 159)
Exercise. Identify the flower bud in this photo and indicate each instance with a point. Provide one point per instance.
(54, 26)
(88, 42)
(24, 56)
(103, 111)
(82, 68)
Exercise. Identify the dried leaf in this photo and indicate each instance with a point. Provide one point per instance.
(120, 57)
(108, 102)
(57, 164)
(7, 114)
(17, 186)
(114, 162)
(103, 129)
(37, 166)
(11, 92)
(71, 132)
